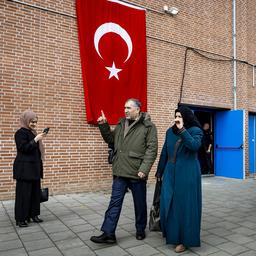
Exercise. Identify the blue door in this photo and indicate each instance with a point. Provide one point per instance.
(252, 144)
(229, 144)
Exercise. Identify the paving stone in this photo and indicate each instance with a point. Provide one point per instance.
(74, 222)
(233, 219)
(82, 228)
(46, 252)
(251, 245)
(8, 245)
(206, 225)
(8, 237)
(48, 217)
(112, 251)
(32, 228)
(92, 216)
(85, 236)
(239, 239)
(205, 232)
(120, 233)
(72, 216)
(248, 253)
(232, 248)
(220, 231)
(38, 244)
(69, 243)
(54, 227)
(167, 250)
(213, 239)
(95, 222)
(33, 236)
(220, 253)
(248, 224)
(212, 219)
(5, 223)
(187, 253)
(125, 220)
(129, 242)
(204, 250)
(142, 250)
(16, 252)
(59, 236)
(154, 239)
(87, 212)
(228, 225)
(5, 230)
(244, 231)
(81, 251)
(95, 246)
(130, 228)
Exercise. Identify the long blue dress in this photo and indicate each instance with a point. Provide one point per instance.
(181, 198)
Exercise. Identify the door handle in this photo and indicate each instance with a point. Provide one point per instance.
(227, 147)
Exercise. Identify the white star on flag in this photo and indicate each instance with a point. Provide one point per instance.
(113, 71)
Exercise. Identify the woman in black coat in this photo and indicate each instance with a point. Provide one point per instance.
(28, 170)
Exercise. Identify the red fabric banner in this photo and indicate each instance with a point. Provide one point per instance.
(112, 38)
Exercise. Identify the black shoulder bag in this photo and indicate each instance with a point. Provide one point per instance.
(154, 215)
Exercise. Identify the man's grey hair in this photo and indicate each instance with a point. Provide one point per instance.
(136, 102)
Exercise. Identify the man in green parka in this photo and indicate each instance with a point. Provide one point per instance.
(135, 145)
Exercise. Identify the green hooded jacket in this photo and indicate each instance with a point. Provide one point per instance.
(135, 146)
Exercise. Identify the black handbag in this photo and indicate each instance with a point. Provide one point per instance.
(111, 153)
(154, 215)
(44, 196)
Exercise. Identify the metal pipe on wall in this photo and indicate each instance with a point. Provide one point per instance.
(234, 53)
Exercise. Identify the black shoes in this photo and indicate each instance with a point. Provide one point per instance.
(36, 219)
(111, 239)
(104, 238)
(140, 236)
(22, 224)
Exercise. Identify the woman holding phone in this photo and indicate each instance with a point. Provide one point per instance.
(181, 199)
(28, 169)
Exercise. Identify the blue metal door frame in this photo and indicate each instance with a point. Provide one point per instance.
(229, 133)
(252, 143)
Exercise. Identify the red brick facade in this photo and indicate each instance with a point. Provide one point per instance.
(40, 69)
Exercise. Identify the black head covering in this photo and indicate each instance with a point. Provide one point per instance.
(189, 118)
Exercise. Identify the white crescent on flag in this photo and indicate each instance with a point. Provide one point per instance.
(115, 28)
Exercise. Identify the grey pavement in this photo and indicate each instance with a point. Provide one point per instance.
(228, 225)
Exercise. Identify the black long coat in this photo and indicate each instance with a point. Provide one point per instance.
(27, 164)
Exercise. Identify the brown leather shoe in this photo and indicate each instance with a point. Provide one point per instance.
(180, 248)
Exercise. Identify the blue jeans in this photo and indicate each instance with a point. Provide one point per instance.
(119, 188)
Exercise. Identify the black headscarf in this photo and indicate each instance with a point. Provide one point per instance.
(189, 118)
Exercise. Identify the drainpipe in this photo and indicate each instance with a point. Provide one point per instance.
(234, 51)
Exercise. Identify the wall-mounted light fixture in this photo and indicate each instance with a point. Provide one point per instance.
(171, 10)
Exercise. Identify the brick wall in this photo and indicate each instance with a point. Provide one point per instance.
(40, 69)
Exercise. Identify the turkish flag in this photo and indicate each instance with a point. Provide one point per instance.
(112, 38)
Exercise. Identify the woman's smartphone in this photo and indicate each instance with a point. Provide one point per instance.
(46, 130)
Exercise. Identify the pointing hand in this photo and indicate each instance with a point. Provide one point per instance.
(102, 119)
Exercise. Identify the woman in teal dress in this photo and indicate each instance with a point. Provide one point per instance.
(181, 198)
